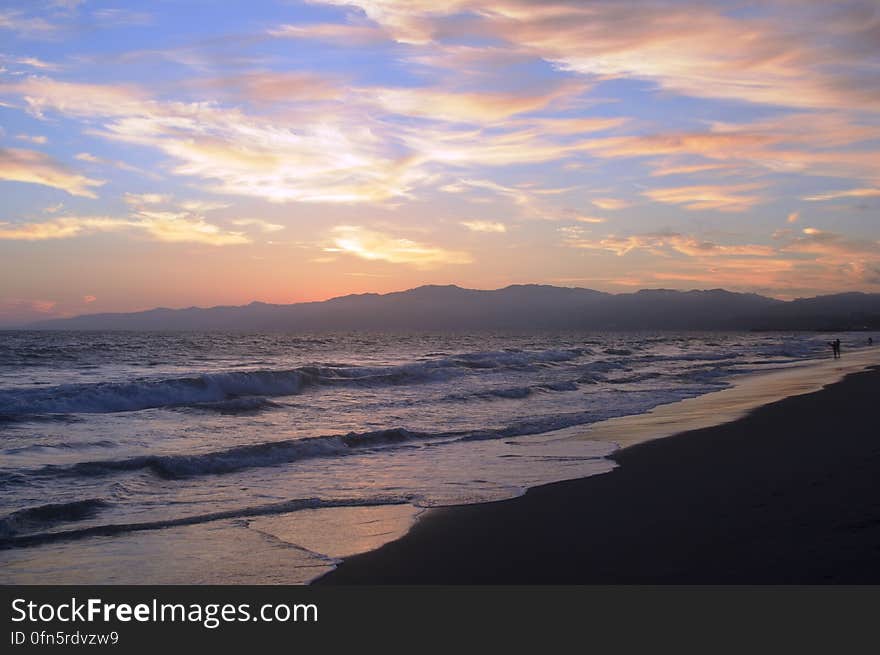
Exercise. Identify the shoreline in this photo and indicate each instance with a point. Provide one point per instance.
(745, 394)
(589, 530)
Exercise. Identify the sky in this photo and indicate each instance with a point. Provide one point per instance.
(190, 152)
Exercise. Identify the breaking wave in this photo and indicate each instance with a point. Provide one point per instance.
(274, 453)
(47, 516)
(223, 391)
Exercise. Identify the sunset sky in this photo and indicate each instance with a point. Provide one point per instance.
(193, 152)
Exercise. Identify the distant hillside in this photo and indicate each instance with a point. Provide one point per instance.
(519, 307)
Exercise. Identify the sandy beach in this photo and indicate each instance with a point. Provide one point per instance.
(781, 493)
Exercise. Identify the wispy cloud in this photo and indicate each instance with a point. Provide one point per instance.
(343, 34)
(848, 193)
(764, 56)
(161, 226)
(19, 165)
(734, 198)
(484, 226)
(808, 259)
(39, 139)
(468, 106)
(611, 203)
(326, 160)
(101, 161)
(378, 246)
(32, 62)
(665, 242)
(263, 226)
(140, 199)
(24, 25)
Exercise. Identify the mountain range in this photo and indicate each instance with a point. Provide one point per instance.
(517, 307)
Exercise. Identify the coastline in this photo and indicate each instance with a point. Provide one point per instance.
(776, 488)
(745, 394)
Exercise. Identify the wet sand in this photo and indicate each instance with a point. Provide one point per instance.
(789, 493)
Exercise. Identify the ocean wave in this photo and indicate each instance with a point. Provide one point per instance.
(10, 418)
(271, 453)
(105, 397)
(212, 390)
(635, 377)
(240, 405)
(513, 393)
(61, 445)
(23, 540)
(47, 516)
(275, 453)
(691, 357)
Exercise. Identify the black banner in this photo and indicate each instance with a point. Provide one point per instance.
(147, 618)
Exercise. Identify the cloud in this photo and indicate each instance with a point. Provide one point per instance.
(788, 145)
(849, 193)
(765, 55)
(80, 100)
(340, 34)
(138, 199)
(39, 139)
(567, 126)
(611, 203)
(267, 87)
(338, 152)
(666, 168)
(484, 226)
(468, 106)
(89, 299)
(264, 226)
(529, 199)
(409, 22)
(94, 159)
(60, 228)
(832, 246)
(330, 157)
(174, 227)
(721, 198)
(809, 260)
(662, 243)
(161, 226)
(25, 26)
(524, 194)
(793, 217)
(34, 62)
(19, 165)
(202, 205)
(378, 246)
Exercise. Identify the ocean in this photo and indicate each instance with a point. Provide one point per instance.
(230, 457)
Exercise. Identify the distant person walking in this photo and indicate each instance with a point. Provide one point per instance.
(870, 341)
